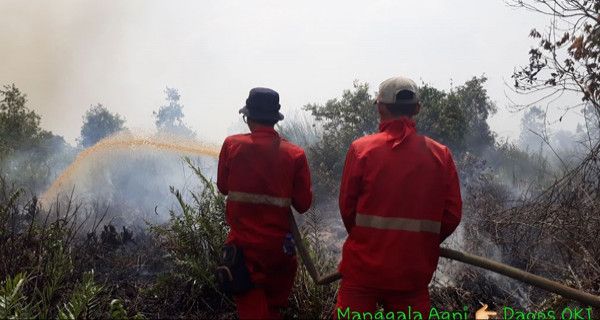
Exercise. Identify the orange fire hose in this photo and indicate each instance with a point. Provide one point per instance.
(494, 266)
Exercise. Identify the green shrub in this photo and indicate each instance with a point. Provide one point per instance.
(194, 238)
(13, 303)
(118, 312)
(83, 299)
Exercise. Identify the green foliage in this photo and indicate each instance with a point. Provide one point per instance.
(118, 312)
(54, 272)
(44, 261)
(457, 118)
(19, 126)
(83, 299)
(27, 153)
(13, 302)
(342, 120)
(50, 249)
(169, 118)
(43, 302)
(441, 117)
(476, 106)
(99, 123)
(350, 116)
(195, 236)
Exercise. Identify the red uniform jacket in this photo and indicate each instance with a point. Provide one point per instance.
(262, 175)
(399, 199)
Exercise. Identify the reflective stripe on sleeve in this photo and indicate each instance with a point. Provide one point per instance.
(259, 199)
(404, 224)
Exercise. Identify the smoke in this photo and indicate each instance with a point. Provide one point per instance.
(498, 178)
(59, 45)
(562, 148)
(132, 175)
(34, 168)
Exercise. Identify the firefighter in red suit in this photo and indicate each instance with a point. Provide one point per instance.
(263, 175)
(399, 199)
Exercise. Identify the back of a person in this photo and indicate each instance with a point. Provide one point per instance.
(262, 166)
(399, 199)
(263, 176)
(409, 182)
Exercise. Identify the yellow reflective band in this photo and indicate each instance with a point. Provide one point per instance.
(259, 199)
(404, 224)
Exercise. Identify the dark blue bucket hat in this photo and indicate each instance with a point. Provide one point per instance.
(262, 104)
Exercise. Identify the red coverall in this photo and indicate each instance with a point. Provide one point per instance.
(399, 199)
(263, 175)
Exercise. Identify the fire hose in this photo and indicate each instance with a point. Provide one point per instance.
(491, 265)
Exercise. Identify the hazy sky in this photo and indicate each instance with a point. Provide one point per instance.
(67, 55)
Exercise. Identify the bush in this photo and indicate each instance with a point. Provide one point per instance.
(43, 270)
(194, 239)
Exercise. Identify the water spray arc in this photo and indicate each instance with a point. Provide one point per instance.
(124, 142)
(191, 147)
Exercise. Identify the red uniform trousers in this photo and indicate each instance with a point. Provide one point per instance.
(273, 274)
(363, 299)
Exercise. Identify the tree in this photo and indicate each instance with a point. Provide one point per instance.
(28, 154)
(439, 117)
(457, 118)
(589, 131)
(566, 58)
(99, 123)
(476, 106)
(342, 120)
(567, 55)
(169, 118)
(19, 127)
(533, 130)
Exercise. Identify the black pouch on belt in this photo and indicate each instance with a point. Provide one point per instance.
(233, 276)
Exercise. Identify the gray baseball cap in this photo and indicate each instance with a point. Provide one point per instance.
(392, 86)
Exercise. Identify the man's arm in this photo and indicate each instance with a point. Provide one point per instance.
(223, 169)
(302, 190)
(453, 202)
(350, 189)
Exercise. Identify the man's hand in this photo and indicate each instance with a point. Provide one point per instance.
(483, 314)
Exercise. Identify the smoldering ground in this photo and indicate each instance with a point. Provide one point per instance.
(128, 175)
